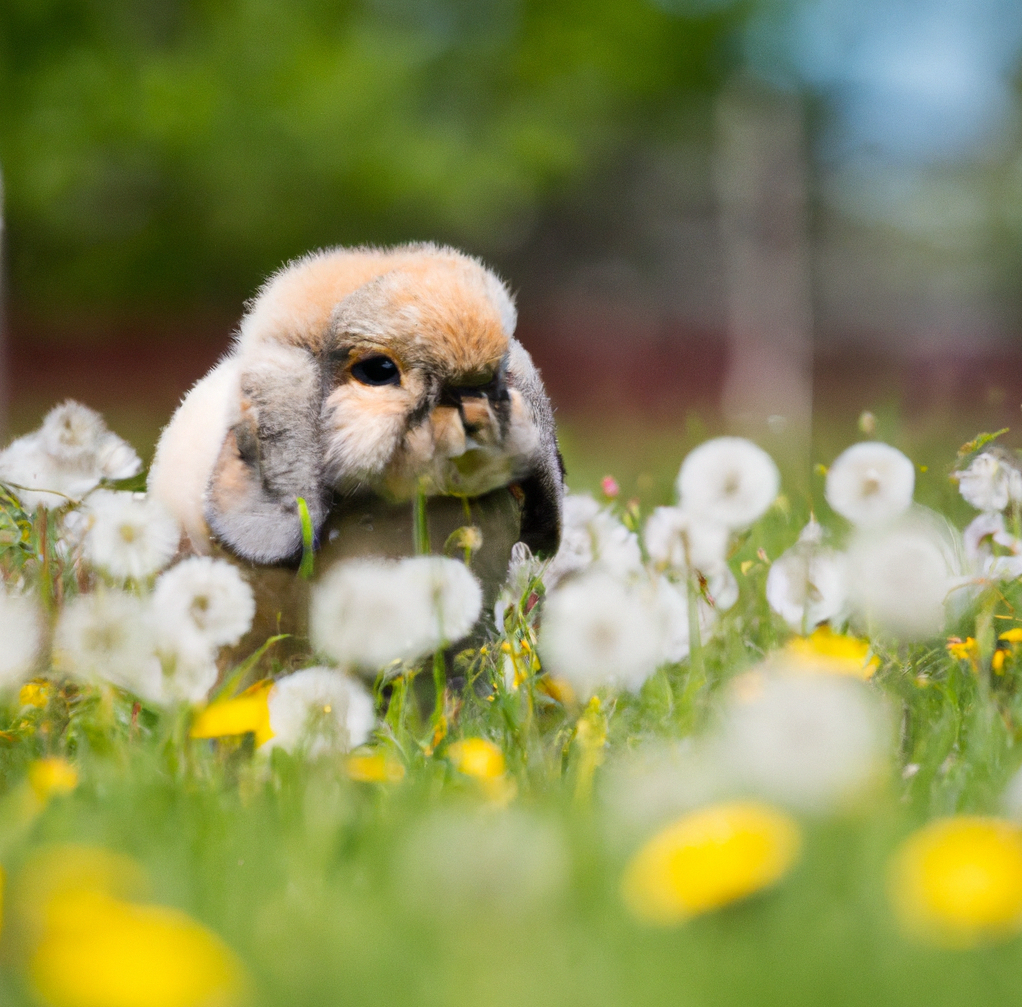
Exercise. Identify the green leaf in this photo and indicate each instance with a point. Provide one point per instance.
(308, 555)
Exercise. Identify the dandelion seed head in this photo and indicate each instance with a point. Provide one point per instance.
(643, 789)
(129, 538)
(522, 569)
(806, 584)
(455, 594)
(870, 483)
(206, 598)
(669, 602)
(71, 434)
(679, 541)
(369, 613)
(107, 636)
(598, 631)
(991, 482)
(319, 710)
(66, 458)
(116, 458)
(21, 633)
(592, 536)
(984, 533)
(899, 579)
(36, 479)
(809, 742)
(729, 480)
(187, 667)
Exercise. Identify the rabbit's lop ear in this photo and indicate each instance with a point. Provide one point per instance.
(543, 502)
(270, 458)
(542, 484)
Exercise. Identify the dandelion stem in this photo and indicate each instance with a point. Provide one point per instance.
(45, 572)
(440, 684)
(308, 540)
(420, 528)
(697, 670)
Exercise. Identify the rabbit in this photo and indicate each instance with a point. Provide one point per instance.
(357, 378)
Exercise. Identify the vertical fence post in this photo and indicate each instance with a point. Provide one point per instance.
(760, 178)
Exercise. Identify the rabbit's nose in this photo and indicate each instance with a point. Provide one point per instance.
(478, 420)
(448, 432)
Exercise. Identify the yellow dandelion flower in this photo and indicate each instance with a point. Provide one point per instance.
(833, 653)
(52, 776)
(35, 693)
(997, 661)
(1012, 635)
(958, 881)
(477, 757)
(964, 650)
(557, 688)
(244, 714)
(709, 858)
(99, 951)
(373, 767)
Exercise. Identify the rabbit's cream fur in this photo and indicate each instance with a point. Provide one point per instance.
(283, 415)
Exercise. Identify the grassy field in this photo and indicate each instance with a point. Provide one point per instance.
(429, 879)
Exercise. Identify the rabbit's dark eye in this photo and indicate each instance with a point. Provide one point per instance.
(377, 370)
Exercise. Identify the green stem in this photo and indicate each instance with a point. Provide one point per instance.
(467, 508)
(697, 670)
(308, 539)
(396, 708)
(419, 526)
(440, 684)
(45, 571)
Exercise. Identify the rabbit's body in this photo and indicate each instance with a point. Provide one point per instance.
(362, 375)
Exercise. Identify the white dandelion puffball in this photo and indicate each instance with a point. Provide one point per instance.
(130, 538)
(107, 636)
(36, 479)
(729, 480)
(983, 533)
(642, 789)
(677, 540)
(66, 458)
(807, 583)
(369, 613)
(206, 598)
(71, 434)
(116, 458)
(507, 862)
(669, 602)
(721, 588)
(990, 483)
(21, 633)
(899, 579)
(187, 666)
(522, 569)
(597, 631)
(812, 743)
(870, 483)
(319, 710)
(593, 536)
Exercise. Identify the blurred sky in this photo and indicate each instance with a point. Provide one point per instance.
(912, 81)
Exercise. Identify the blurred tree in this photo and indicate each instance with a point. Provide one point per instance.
(172, 151)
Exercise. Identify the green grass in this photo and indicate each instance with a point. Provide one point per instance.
(321, 886)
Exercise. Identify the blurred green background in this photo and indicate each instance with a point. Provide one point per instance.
(674, 188)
